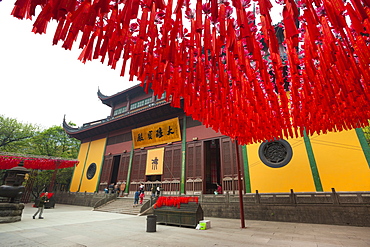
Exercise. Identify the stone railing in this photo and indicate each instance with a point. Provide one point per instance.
(169, 187)
(333, 197)
(337, 208)
(82, 198)
(107, 198)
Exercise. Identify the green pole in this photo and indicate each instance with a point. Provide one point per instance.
(364, 144)
(311, 158)
(247, 179)
(183, 157)
(127, 189)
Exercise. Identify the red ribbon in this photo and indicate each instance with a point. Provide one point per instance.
(227, 68)
(7, 162)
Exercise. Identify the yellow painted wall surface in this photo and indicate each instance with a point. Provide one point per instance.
(295, 175)
(89, 153)
(95, 155)
(78, 170)
(341, 162)
(154, 161)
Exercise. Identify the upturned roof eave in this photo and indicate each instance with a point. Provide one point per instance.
(107, 100)
(99, 126)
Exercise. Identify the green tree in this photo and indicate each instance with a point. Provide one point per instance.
(64, 178)
(28, 139)
(54, 142)
(40, 181)
(367, 133)
(14, 134)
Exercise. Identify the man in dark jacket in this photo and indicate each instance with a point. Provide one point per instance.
(40, 207)
(136, 198)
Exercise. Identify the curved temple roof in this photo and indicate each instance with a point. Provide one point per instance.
(133, 118)
(109, 100)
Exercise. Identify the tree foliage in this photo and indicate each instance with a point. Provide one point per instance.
(14, 134)
(54, 142)
(28, 139)
(367, 134)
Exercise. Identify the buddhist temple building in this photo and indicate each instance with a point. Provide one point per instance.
(146, 140)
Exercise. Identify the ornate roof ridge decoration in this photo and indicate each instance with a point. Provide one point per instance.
(210, 54)
(66, 126)
(31, 161)
(101, 96)
(107, 100)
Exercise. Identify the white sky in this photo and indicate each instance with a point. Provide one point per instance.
(39, 82)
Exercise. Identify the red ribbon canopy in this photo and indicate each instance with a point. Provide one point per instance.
(174, 201)
(8, 162)
(231, 72)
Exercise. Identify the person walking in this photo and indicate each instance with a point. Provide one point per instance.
(142, 195)
(141, 187)
(40, 205)
(117, 189)
(218, 191)
(136, 198)
(158, 190)
(153, 190)
(111, 188)
(122, 188)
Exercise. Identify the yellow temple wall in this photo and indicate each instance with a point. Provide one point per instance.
(77, 174)
(341, 162)
(296, 175)
(339, 158)
(90, 152)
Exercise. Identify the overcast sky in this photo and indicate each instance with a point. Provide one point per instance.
(39, 82)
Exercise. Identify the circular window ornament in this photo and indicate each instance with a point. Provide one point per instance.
(275, 154)
(91, 171)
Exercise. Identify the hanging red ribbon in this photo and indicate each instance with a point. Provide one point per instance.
(8, 161)
(232, 73)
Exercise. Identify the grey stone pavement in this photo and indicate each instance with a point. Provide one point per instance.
(74, 226)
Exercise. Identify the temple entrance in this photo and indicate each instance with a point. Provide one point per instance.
(212, 165)
(114, 174)
(153, 178)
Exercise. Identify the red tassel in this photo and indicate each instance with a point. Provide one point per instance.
(214, 10)
(198, 18)
(222, 76)
(143, 24)
(20, 9)
(86, 54)
(85, 36)
(42, 20)
(58, 31)
(222, 15)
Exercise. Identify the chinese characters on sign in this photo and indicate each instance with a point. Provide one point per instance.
(154, 162)
(158, 133)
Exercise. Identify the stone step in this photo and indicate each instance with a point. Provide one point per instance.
(121, 206)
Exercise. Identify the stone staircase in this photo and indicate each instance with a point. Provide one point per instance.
(121, 205)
